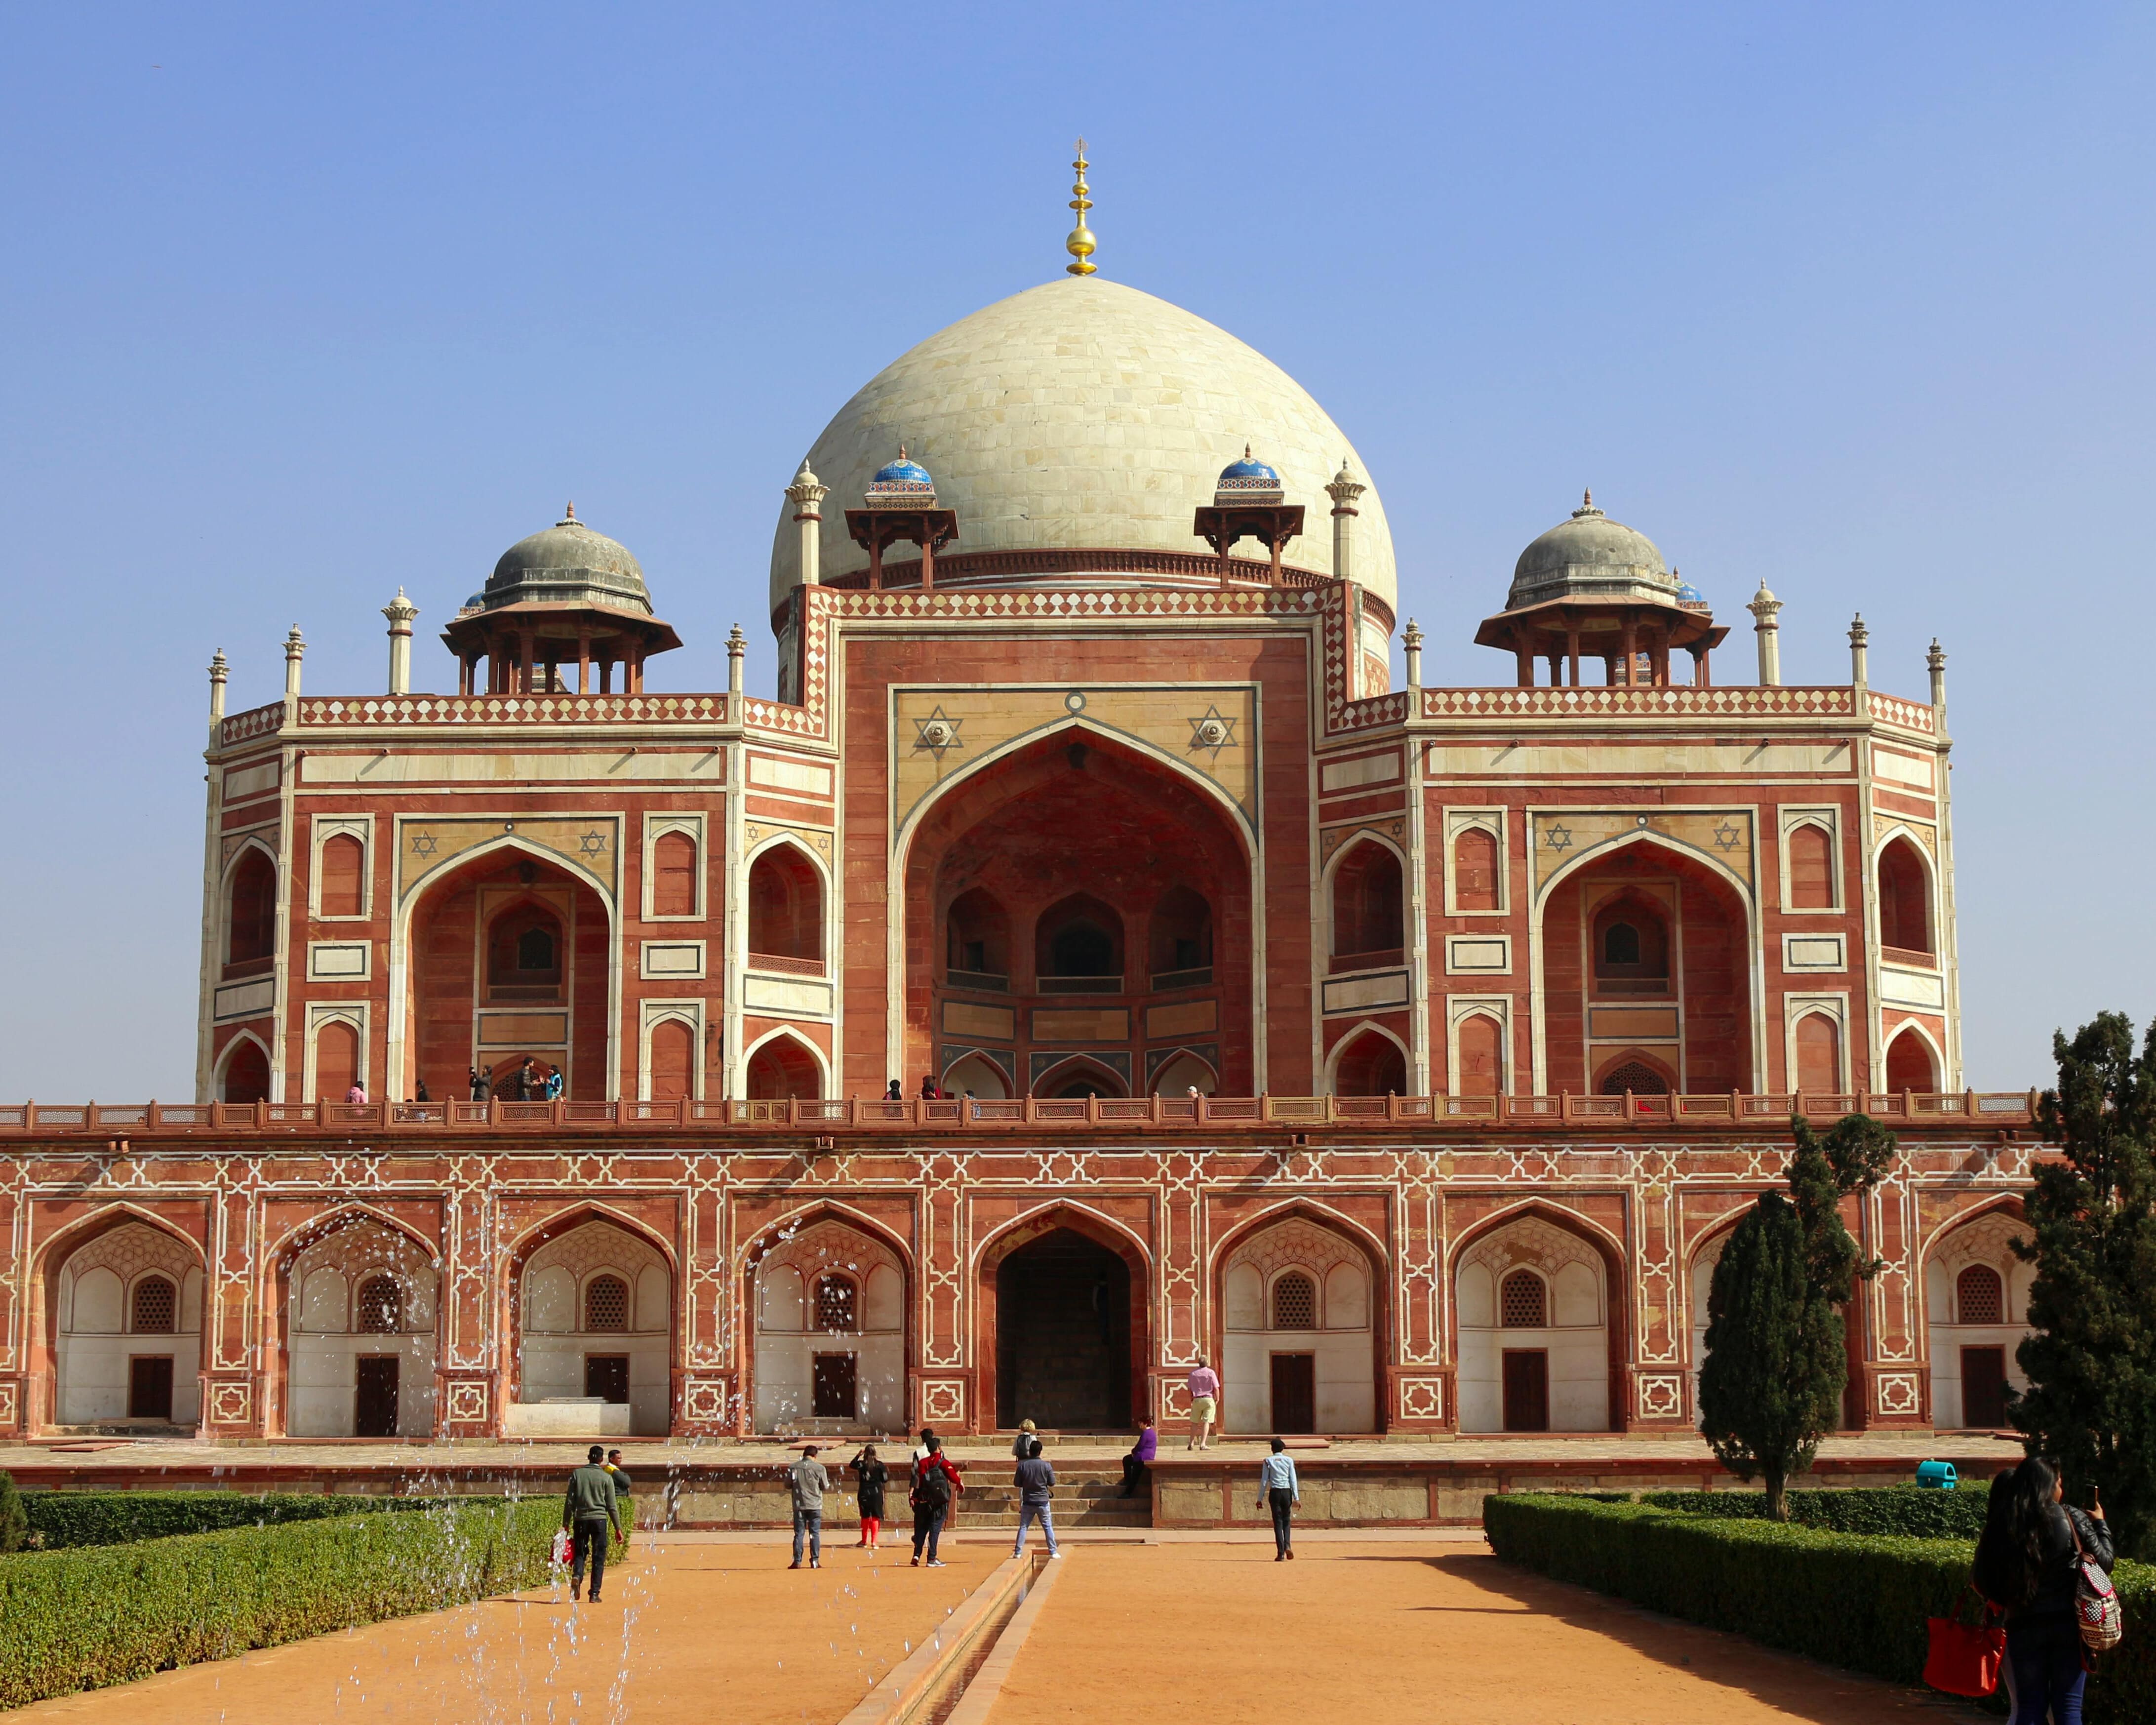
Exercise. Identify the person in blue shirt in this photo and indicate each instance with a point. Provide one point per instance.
(1278, 1490)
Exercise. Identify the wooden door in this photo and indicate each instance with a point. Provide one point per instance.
(1983, 1386)
(834, 1386)
(374, 1411)
(606, 1376)
(1527, 1390)
(1295, 1393)
(150, 1387)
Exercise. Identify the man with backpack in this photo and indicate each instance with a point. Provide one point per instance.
(936, 1486)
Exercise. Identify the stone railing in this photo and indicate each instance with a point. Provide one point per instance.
(1740, 701)
(1725, 1109)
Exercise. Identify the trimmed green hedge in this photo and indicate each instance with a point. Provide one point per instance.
(1908, 1510)
(82, 1620)
(64, 1520)
(1856, 1600)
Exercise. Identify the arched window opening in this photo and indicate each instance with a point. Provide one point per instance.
(837, 1307)
(1631, 948)
(251, 936)
(524, 955)
(1371, 1065)
(1078, 947)
(1979, 1295)
(977, 941)
(1367, 919)
(674, 876)
(1909, 1065)
(673, 1060)
(246, 1073)
(1636, 1076)
(336, 1059)
(1523, 1301)
(1481, 1070)
(1811, 869)
(1073, 1082)
(1180, 940)
(156, 1306)
(1475, 870)
(786, 910)
(1295, 1302)
(606, 1305)
(381, 1306)
(784, 1070)
(1818, 1054)
(344, 880)
(1905, 919)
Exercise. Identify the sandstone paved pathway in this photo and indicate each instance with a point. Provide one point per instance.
(691, 1630)
(1366, 1632)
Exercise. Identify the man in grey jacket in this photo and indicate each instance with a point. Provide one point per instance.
(808, 1483)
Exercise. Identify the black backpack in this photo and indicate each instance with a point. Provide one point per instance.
(931, 1486)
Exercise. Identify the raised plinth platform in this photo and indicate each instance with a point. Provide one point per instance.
(1355, 1484)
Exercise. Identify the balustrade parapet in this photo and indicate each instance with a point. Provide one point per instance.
(1730, 1110)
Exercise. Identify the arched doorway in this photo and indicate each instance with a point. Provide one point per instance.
(1536, 1347)
(1075, 898)
(509, 960)
(1909, 1064)
(592, 1317)
(829, 1356)
(359, 1319)
(784, 1068)
(127, 1308)
(1300, 1352)
(1370, 1063)
(1976, 1298)
(1645, 968)
(243, 1075)
(1073, 1081)
(1064, 1310)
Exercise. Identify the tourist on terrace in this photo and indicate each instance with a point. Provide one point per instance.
(870, 1476)
(1141, 1456)
(1035, 1480)
(936, 1486)
(2028, 1562)
(808, 1483)
(895, 1092)
(1278, 1491)
(588, 1508)
(930, 1092)
(482, 1086)
(553, 1086)
(357, 1094)
(1025, 1431)
(521, 1087)
(1204, 1387)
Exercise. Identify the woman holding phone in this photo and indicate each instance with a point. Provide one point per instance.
(2028, 1561)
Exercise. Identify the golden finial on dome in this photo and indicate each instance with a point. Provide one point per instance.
(1080, 243)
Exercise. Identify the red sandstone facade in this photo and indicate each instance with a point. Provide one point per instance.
(1407, 1052)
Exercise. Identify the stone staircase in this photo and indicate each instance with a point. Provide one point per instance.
(1084, 1499)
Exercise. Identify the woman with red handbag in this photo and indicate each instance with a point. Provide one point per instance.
(2028, 1562)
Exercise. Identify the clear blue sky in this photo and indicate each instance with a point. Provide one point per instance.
(302, 303)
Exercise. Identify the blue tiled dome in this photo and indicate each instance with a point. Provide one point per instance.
(901, 485)
(901, 472)
(1687, 594)
(1248, 480)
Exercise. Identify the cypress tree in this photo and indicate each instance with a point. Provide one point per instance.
(2091, 1363)
(1770, 1387)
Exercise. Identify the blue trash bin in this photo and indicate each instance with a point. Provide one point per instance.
(1936, 1475)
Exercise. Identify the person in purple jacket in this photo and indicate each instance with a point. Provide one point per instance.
(1142, 1452)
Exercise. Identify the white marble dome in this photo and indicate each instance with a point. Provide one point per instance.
(1082, 414)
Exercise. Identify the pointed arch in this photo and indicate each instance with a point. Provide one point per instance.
(1356, 1033)
(1905, 878)
(1934, 1052)
(782, 868)
(808, 1215)
(1068, 1069)
(1617, 1320)
(221, 1068)
(314, 1230)
(574, 1216)
(1574, 864)
(792, 1040)
(1351, 854)
(1050, 1217)
(463, 859)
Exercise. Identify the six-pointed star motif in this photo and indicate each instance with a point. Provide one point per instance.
(1557, 838)
(937, 732)
(1213, 731)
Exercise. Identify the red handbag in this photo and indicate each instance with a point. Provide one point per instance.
(1965, 1658)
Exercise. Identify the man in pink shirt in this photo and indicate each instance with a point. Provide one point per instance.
(1205, 1386)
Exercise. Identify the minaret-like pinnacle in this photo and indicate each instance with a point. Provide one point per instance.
(1080, 243)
